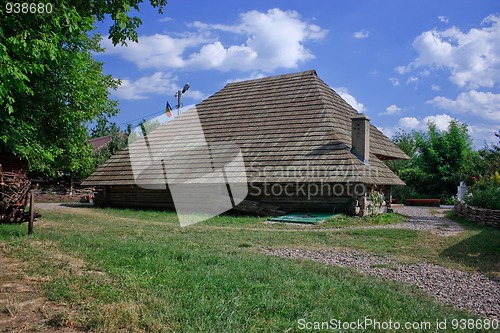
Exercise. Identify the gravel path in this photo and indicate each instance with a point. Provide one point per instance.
(473, 292)
(418, 218)
(421, 218)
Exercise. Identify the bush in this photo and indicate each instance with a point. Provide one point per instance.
(484, 195)
(447, 200)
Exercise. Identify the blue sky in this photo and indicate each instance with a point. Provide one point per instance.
(402, 63)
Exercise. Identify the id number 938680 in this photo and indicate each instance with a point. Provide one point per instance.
(28, 8)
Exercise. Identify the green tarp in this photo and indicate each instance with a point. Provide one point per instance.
(303, 218)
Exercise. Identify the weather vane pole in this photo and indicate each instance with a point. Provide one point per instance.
(179, 97)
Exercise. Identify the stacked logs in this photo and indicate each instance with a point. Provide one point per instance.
(14, 190)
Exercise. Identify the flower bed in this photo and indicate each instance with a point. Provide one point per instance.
(482, 216)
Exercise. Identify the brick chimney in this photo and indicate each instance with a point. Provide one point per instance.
(361, 137)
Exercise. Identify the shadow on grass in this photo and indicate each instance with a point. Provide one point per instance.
(481, 250)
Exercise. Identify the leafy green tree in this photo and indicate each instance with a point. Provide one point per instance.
(51, 87)
(117, 141)
(497, 147)
(445, 157)
(144, 127)
(488, 165)
(439, 159)
(407, 143)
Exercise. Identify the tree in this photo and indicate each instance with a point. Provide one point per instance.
(439, 159)
(496, 147)
(51, 87)
(104, 127)
(406, 142)
(488, 165)
(143, 129)
(117, 141)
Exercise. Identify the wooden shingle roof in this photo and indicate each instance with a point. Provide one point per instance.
(289, 128)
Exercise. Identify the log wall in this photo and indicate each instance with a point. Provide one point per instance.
(131, 196)
(288, 197)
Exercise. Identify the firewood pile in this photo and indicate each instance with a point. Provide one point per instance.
(14, 190)
(480, 215)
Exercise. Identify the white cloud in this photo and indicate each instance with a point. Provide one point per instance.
(344, 93)
(155, 51)
(442, 122)
(195, 95)
(408, 123)
(274, 39)
(412, 79)
(425, 72)
(394, 81)
(165, 19)
(388, 131)
(361, 34)
(270, 40)
(482, 104)
(479, 132)
(482, 133)
(158, 83)
(402, 69)
(443, 19)
(392, 109)
(472, 57)
(253, 76)
(435, 87)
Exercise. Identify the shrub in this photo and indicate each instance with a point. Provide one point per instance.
(484, 195)
(448, 200)
(409, 192)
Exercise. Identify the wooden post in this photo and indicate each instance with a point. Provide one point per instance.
(32, 213)
(388, 195)
(1, 184)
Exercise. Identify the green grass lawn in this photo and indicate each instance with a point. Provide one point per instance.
(138, 270)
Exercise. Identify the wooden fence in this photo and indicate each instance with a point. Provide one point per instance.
(482, 216)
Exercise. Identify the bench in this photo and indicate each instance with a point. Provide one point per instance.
(423, 202)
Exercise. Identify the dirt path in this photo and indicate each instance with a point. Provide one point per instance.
(23, 308)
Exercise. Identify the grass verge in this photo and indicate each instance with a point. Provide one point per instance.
(138, 270)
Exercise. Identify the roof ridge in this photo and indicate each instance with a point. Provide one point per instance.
(275, 77)
(327, 97)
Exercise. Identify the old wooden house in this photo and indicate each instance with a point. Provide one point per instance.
(304, 149)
